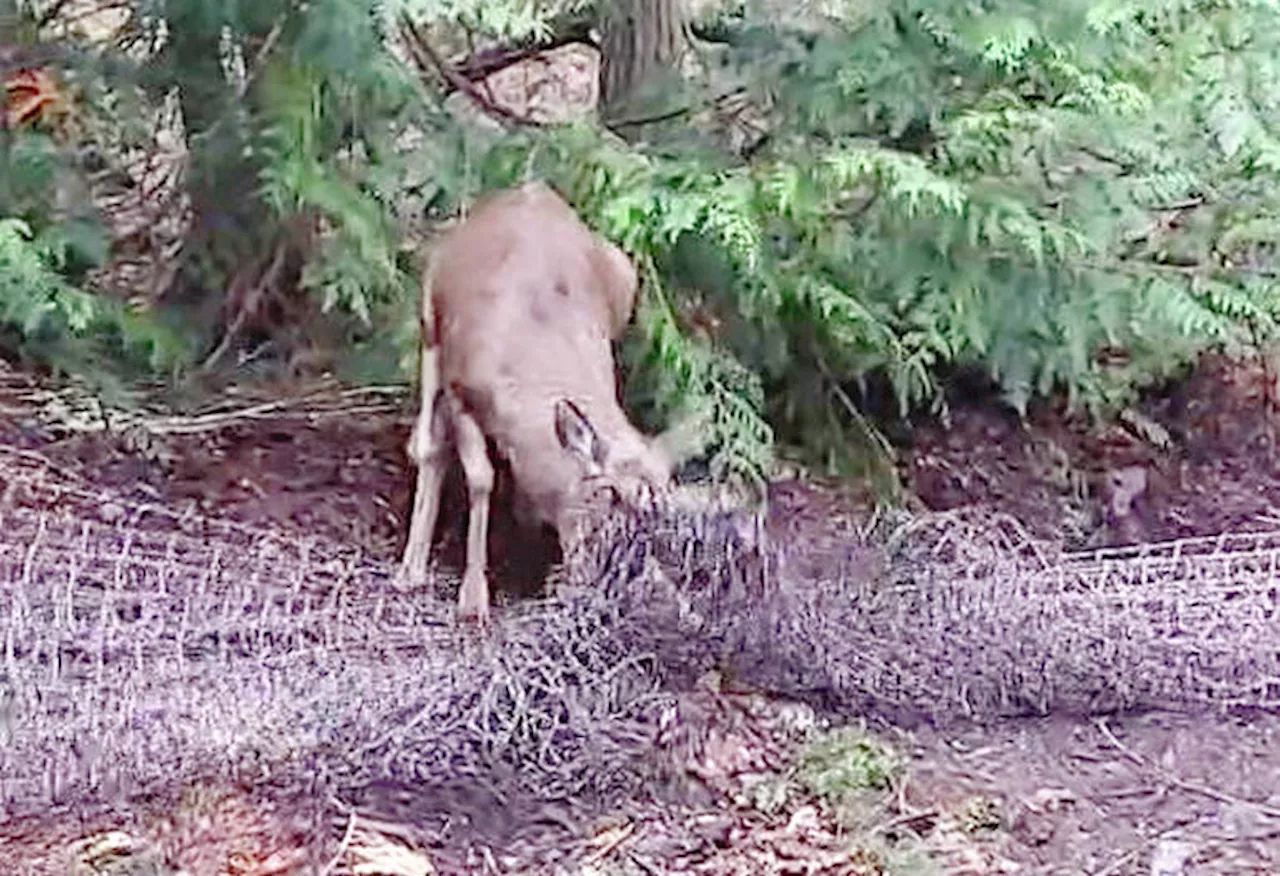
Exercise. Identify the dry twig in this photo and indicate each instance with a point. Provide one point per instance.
(427, 57)
(1192, 787)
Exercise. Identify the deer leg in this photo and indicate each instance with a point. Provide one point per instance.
(428, 447)
(473, 598)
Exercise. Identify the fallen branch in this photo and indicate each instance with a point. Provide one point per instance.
(425, 56)
(1170, 778)
(486, 62)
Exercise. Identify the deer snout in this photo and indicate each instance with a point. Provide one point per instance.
(626, 487)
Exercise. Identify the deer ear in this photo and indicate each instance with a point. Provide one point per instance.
(578, 436)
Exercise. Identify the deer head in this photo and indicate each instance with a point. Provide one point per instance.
(632, 468)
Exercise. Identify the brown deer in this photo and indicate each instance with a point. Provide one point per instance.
(520, 305)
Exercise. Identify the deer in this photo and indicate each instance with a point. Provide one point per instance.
(521, 304)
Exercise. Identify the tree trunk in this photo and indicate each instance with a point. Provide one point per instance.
(642, 47)
(219, 179)
(226, 243)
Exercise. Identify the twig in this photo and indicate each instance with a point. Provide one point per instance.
(486, 62)
(342, 846)
(1192, 787)
(609, 847)
(484, 81)
(74, 17)
(252, 300)
(904, 820)
(51, 13)
(218, 419)
(213, 422)
(1098, 155)
(224, 406)
(267, 45)
(1119, 862)
(1114, 866)
(665, 116)
(1144, 267)
(418, 43)
(852, 409)
(645, 865)
(1178, 206)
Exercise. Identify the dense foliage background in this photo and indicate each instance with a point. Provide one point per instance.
(834, 205)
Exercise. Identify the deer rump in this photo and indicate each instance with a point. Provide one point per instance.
(519, 309)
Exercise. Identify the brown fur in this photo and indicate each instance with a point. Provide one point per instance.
(520, 306)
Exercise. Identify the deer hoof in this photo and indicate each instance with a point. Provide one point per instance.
(407, 580)
(473, 601)
(477, 617)
(477, 614)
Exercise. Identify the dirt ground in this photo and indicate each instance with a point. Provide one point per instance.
(1205, 447)
(1150, 794)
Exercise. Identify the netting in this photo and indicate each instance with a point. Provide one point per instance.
(973, 620)
(144, 650)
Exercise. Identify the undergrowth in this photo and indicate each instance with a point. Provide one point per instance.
(51, 322)
(1075, 198)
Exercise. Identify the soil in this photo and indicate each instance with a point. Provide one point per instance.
(1153, 793)
(1205, 446)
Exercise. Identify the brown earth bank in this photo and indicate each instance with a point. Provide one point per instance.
(1196, 458)
(1135, 794)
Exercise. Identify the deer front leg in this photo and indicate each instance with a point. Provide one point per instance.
(473, 598)
(428, 447)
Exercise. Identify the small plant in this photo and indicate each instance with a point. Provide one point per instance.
(979, 813)
(847, 761)
(851, 771)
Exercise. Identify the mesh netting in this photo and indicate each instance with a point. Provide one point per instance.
(975, 621)
(154, 650)
(144, 650)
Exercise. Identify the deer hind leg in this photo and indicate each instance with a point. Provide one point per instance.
(473, 598)
(429, 448)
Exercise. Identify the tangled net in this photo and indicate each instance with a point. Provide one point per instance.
(974, 621)
(145, 650)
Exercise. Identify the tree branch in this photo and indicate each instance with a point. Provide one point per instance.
(47, 17)
(1145, 267)
(486, 62)
(426, 56)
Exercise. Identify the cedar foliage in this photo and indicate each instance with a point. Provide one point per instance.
(1006, 184)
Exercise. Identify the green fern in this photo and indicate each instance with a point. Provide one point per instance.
(33, 296)
(65, 327)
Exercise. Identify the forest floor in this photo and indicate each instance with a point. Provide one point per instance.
(1150, 794)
